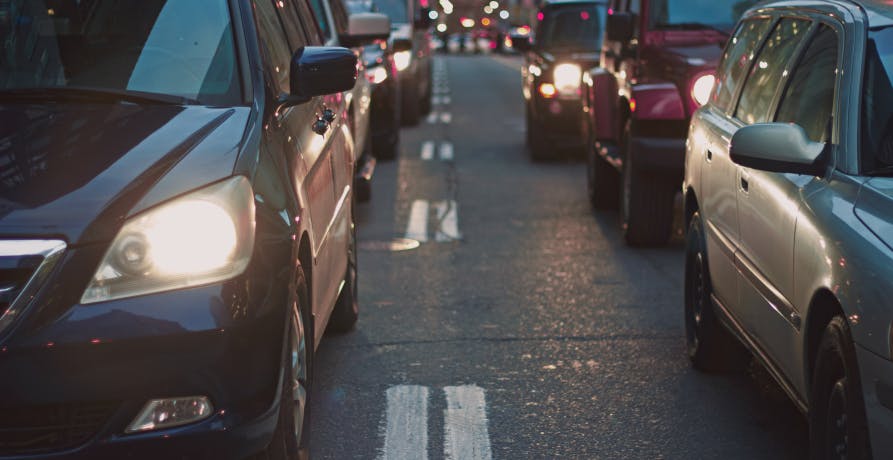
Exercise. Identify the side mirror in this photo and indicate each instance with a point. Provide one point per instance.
(319, 70)
(619, 26)
(777, 147)
(401, 44)
(365, 28)
(521, 43)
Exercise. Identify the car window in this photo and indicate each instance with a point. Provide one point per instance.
(696, 14)
(397, 10)
(311, 23)
(288, 15)
(877, 102)
(123, 45)
(339, 14)
(572, 28)
(319, 11)
(809, 97)
(739, 53)
(272, 38)
(768, 69)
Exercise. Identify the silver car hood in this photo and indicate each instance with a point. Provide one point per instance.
(874, 207)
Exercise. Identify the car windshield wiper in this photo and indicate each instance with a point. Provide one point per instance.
(94, 95)
(691, 26)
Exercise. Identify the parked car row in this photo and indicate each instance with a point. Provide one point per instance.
(177, 222)
(777, 121)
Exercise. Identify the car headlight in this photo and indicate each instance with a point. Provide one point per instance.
(377, 75)
(567, 78)
(401, 59)
(702, 87)
(203, 237)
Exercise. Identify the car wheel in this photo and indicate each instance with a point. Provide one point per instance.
(528, 122)
(385, 147)
(411, 105)
(837, 424)
(425, 102)
(346, 311)
(711, 347)
(535, 139)
(602, 180)
(646, 207)
(292, 436)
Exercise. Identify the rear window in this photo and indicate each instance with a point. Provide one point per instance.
(877, 101)
(572, 28)
(395, 9)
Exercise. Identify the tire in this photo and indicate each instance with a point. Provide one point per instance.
(602, 180)
(411, 110)
(291, 438)
(838, 428)
(535, 141)
(385, 147)
(646, 205)
(425, 102)
(710, 346)
(344, 316)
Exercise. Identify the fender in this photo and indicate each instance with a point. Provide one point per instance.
(656, 101)
(603, 116)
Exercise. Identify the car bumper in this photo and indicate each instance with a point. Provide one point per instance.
(560, 120)
(877, 389)
(658, 155)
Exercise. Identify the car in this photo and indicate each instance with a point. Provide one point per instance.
(788, 202)
(381, 72)
(567, 42)
(411, 41)
(177, 227)
(356, 31)
(657, 64)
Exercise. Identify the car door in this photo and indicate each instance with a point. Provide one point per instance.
(769, 203)
(713, 129)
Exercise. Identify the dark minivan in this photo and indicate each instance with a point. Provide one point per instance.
(176, 225)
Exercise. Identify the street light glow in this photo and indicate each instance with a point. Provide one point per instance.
(504, 14)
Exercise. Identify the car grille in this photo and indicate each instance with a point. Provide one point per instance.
(41, 429)
(24, 266)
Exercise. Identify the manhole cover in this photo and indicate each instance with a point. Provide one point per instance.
(394, 245)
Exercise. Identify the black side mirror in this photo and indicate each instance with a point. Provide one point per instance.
(777, 147)
(521, 43)
(401, 44)
(619, 26)
(318, 70)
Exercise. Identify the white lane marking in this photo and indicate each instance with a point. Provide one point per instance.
(432, 117)
(446, 117)
(406, 435)
(446, 151)
(448, 215)
(465, 419)
(446, 100)
(417, 228)
(441, 91)
(427, 150)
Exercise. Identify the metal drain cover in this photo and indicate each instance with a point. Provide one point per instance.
(393, 245)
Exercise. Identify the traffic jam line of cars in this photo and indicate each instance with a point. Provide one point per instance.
(777, 121)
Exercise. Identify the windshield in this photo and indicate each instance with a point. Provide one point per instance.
(395, 9)
(180, 48)
(694, 14)
(877, 101)
(572, 28)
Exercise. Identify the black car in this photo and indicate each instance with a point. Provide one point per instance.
(567, 42)
(176, 226)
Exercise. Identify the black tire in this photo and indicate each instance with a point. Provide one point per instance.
(711, 347)
(425, 102)
(411, 109)
(385, 147)
(838, 428)
(646, 204)
(291, 439)
(528, 121)
(536, 142)
(602, 180)
(346, 311)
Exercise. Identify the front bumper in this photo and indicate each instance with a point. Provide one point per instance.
(877, 390)
(559, 120)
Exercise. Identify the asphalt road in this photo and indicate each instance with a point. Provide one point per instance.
(521, 326)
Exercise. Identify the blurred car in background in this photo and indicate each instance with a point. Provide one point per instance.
(381, 72)
(410, 39)
(656, 70)
(789, 204)
(567, 42)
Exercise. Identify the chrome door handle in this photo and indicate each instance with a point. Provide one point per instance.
(709, 155)
(744, 184)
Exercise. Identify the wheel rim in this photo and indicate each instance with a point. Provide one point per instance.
(298, 378)
(695, 298)
(836, 421)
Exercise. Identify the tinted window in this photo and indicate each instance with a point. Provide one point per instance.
(395, 9)
(768, 69)
(696, 14)
(272, 38)
(877, 101)
(809, 97)
(576, 27)
(321, 19)
(293, 28)
(311, 24)
(174, 47)
(736, 60)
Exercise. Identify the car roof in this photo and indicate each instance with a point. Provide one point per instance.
(548, 3)
(879, 12)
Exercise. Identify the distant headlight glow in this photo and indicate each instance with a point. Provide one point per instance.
(567, 78)
(401, 59)
(377, 75)
(702, 88)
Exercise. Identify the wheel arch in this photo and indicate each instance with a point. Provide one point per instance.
(689, 205)
(823, 307)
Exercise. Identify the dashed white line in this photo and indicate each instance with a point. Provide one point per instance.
(446, 117)
(432, 118)
(406, 434)
(448, 214)
(465, 423)
(446, 151)
(445, 100)
(427, 150)
(417, 228)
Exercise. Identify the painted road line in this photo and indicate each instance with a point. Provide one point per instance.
(465, 423)
(446, 151)
(446, 117)
(448, 215)
(427, 150)
(432, 117)
(417, 228)
(406, 434)
(446, 100)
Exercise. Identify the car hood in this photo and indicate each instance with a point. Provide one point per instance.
(76, 171)
(874, 207)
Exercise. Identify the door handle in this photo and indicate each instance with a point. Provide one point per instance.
(709, 155)
(744, 184)
(320, 126)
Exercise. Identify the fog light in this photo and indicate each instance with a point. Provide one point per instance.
(159, 414)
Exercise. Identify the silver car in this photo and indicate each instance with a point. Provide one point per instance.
(789, 204)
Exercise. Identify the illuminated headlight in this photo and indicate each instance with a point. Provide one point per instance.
(567, 78)
(702, 88)
(377, 75)
(203, 237)
(401, 59)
